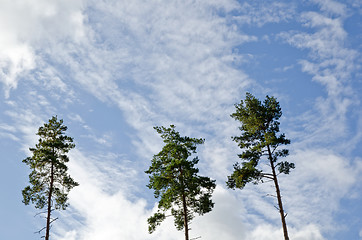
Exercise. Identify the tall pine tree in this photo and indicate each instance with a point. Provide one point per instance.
(260, 138)
(49, 181)
(174, 179)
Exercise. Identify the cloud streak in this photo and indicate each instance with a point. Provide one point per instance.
(157, 63)
(331, 64)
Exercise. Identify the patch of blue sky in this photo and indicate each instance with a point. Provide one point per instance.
(279, 61)
(275, 66)
(11, 185)
(101, 22)
(353, 25)
(143, 65)
(13, 178)
(349, 221)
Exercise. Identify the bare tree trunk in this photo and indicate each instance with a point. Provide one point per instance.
(186, 225)
(280, 204)
(184, 206)
(49, 202)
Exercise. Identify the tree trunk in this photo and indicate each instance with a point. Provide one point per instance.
(280, 204)
(186, 225)
(184, 206)
(49, 202)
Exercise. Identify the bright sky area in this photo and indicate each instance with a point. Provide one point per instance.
(114, 69)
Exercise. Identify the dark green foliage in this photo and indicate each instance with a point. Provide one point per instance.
(175, 181)
(284, 167)
(259, 137)
(49, 181)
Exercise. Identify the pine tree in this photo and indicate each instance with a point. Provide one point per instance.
(260, 137)
(49, 181)
(175, 181)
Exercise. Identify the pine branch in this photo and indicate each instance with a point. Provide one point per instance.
(267, 175)
(270, 195)
(41, 231)
(46, 227)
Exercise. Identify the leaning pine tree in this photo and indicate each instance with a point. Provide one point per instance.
(175, 181)
(260, 137)
(49, 181)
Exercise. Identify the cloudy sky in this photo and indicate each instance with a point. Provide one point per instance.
(114, 69)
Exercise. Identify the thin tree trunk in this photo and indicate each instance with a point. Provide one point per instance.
(186, 225)
(49, 202)
(280, 204)
(184, 206)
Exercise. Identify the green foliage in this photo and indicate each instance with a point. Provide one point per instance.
(155, 221)
(175, 181)
(48, 167)
(259, 137)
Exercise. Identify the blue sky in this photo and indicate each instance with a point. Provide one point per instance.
(114, 69)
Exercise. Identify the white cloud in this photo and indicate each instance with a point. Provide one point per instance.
(164, 51)
(27, 28)
(225, 221)
(332, 65)
(14, 59)
(314, 189)
(163, 63)
(309, 232)
(311, 197)
(261, 13)
(76, 118)
(182, 64)
(269, 232)
(328, 55)
(103, 203)
(331, 6)
(26, 124)
(100, 207)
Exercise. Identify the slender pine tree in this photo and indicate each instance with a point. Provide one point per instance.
(174, 179)
(260, 138)
(49, 181)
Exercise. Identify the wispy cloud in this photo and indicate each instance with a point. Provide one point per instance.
(166, 62)
(332, 64)
(332, 7)
(28, 28)
(261, 13)
(268, 232)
